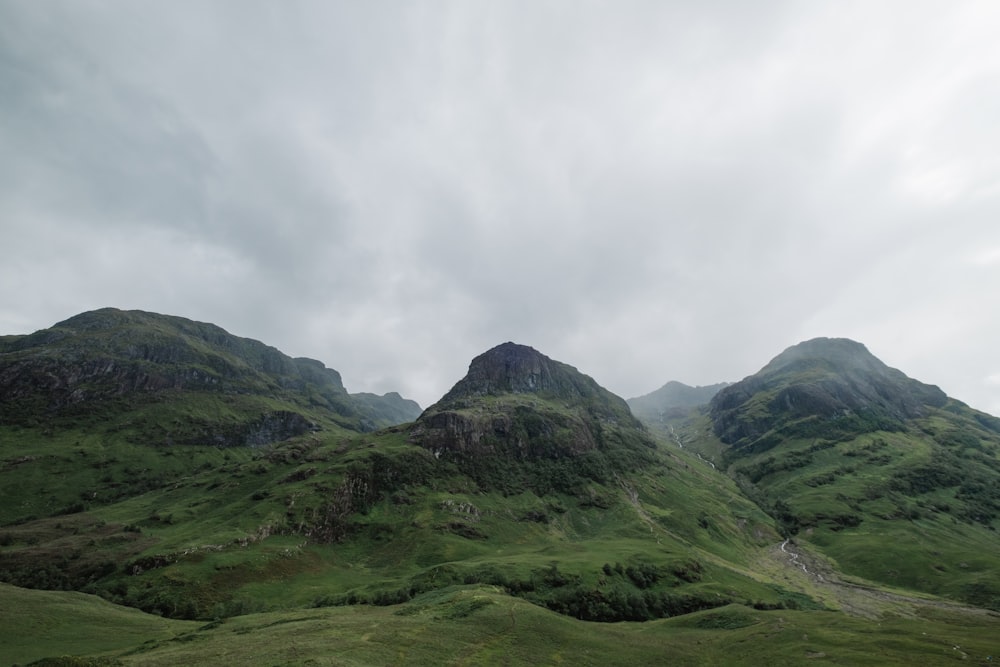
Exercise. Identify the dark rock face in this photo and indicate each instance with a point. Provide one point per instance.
(276, 427)
(510, 368)
(520, 433)
(518, 369)
(825, 379)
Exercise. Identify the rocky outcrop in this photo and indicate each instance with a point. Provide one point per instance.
(521, 433)
(516, 404)
(518, 369)
(275, 427)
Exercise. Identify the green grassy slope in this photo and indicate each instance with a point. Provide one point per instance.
(906, 508)
(477, 625)
(895, 490)
(499, 526)
(378, 519)
(40, 624)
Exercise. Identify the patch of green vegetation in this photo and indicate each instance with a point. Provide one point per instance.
(40, 624)
(374, 519)
(481, 625)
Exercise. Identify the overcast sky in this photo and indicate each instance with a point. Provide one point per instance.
(648, 191)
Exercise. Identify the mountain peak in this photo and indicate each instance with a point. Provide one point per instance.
(840, 353)
(510, 368)
(120, 359)
(518, 404)
(823, 378)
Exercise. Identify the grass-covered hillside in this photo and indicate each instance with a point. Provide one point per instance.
(169, 380)
(885, 475)
(526, 518)
(479, 625)
(559, 497)
(110, 404)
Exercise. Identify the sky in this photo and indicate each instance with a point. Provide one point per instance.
(647, 191)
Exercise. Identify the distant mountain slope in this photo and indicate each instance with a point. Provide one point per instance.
(886, 474)
(385, 410)
(672, 400)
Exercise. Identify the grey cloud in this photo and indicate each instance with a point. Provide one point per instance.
(648, 190)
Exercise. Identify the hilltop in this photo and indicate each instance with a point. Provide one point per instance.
(830, 383)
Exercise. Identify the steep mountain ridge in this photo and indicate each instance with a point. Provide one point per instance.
(106, 356)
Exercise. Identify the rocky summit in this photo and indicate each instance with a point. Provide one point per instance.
(516, 404)
(518, 369)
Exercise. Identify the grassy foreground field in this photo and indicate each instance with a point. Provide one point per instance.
(35, 624)
(468, 625)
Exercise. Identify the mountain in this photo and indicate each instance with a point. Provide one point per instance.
(152, 398)
(139, 524)
(110, 362)
(515, 405)
(386, 410)
(885, 475)
(527, 476)
(672, 400)
(820, 385)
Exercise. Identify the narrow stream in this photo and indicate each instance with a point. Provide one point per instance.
(677, 439)
(795, 560)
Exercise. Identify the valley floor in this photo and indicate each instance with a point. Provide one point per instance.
(804, 571)
(480, 625)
